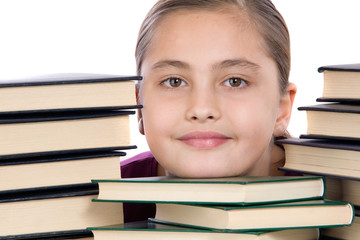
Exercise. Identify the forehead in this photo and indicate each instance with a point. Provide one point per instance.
(225, 32)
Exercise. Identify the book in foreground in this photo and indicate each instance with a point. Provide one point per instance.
(303, 214)
(324, 157)
(57, 92)
(233, 190)
(341, 83)
(348, 232)
(155, 231)
(70, 235)
(60, 169)
(333, 120)
(57, 209)
(31, 134)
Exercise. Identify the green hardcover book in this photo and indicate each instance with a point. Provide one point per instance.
(302, 214)
(234, 190)
(348, 232)
(155, 231)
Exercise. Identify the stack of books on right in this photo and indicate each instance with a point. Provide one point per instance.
(331, 146)
(282, 208)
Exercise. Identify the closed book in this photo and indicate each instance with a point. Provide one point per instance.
(341, 83)
(348, 232)
(70, 235)
(156, 231)
(31, 134)
(58, 169)
(324, 157)
(66, 91)
(55, 209)
(333, 120)
(343, 189)
(234, 190)
(303, 214)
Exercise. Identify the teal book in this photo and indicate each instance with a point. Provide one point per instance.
(348, 232)
(302, 214)
(233, 190)
(155, 231)
(67, 91)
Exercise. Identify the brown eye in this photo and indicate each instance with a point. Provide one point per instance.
(235, 82)
(174, 82)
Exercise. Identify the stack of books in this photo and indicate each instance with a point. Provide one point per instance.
(57, 133)
(224, 208)
(331, 146)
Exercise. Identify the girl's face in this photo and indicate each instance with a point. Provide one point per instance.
(211, 96)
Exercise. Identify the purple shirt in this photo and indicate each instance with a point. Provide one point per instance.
(141, 165)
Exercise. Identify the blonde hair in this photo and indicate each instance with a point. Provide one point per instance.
(264, 16)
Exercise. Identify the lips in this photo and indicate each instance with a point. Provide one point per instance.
(204, 140)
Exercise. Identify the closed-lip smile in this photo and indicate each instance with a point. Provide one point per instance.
(204, 140)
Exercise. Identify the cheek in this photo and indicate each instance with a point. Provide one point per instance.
(159, 116)
(253, 119)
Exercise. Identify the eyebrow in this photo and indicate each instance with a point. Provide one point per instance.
(170, 63)
(236, 63)
(228, 63)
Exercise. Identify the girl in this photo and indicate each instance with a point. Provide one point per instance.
(215, 89)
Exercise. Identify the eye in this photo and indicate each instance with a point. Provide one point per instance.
(173, 82)
(235, 82)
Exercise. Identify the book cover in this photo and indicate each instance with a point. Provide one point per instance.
(152, 230)
(352, 67)
(324, 157)
(235, 190)
(302, 214)
(67, 91)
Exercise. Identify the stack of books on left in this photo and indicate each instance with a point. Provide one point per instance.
(224, 208)
(331, 146)
(57, 133)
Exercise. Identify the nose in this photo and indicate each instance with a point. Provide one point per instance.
(203, 106)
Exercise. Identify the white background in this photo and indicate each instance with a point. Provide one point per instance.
(98, 36)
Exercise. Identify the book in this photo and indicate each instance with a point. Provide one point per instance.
(333, 120)
(59, 169)
(324, 157)
(341, 83)
(55, 209)
(58, 92)
(151, 231)
(233, 190)
(41, 133)
(348, 232)
(74, 234)
(343, 189)
(302, 214)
